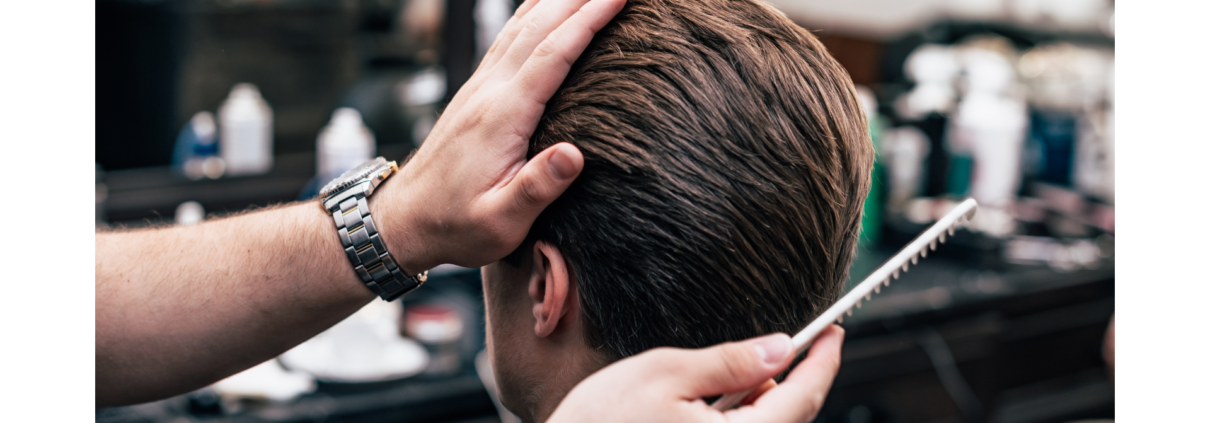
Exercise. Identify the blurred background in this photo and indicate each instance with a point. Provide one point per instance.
(210, 107)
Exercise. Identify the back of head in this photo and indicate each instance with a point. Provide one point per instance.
(726, 163)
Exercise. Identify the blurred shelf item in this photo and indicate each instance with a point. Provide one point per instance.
(245, 124)
(343, 144)
(439, 328)
(363, 348)
(888, 19)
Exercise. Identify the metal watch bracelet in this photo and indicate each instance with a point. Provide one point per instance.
(369, 254)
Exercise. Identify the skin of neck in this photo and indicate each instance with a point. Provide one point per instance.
(537, 358)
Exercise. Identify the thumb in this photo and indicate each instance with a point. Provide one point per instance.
(541, 181)
(734, 366)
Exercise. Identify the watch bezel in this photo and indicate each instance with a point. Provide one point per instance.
(352, 176)
(373, 171)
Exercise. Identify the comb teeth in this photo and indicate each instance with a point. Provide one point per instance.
(864, 291)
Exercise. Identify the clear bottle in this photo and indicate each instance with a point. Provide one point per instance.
(246, 132)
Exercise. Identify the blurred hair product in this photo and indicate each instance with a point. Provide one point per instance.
(439, 329)
(989, 127)
(961, 165)
(1051, 146)
(1064, 81)
(246, 131)
(190, 213)
(196, 153)
(343, 144)
(1093, 168)
(420, 95)
(933, 68)
(904, 153)
(490, 17)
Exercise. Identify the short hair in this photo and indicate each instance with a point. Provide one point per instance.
(726, 162)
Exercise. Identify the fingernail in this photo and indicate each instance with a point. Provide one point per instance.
(774, 348)
(562, 165)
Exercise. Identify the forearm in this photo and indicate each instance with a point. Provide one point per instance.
(179, 308)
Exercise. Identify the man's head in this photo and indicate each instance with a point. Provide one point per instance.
(726, 163)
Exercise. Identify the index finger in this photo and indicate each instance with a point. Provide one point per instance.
(546, 68)
(506, 36)
(801, 395)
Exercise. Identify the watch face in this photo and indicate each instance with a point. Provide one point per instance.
(352, 177)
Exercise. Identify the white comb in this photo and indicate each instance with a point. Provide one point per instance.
(910, 254)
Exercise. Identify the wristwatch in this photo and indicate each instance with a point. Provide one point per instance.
(345, 197)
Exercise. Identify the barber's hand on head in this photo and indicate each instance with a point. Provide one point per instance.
(667, 384)
(469, 195)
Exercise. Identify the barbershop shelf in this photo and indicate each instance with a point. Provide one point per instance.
(142, 196)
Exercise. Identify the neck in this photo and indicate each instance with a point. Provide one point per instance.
(567, 372)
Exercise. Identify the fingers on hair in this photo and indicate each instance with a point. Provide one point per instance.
(553, 58)
(726, 165)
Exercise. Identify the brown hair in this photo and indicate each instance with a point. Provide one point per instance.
(726, 163)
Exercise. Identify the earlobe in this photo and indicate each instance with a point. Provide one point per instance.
(548, 288)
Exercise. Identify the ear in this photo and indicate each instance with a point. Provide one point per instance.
(548, 288)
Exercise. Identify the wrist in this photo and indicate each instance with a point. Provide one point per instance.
(401, 228)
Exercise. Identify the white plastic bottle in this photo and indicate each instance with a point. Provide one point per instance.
(992, 125)
(246, 131)
(343, 144)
